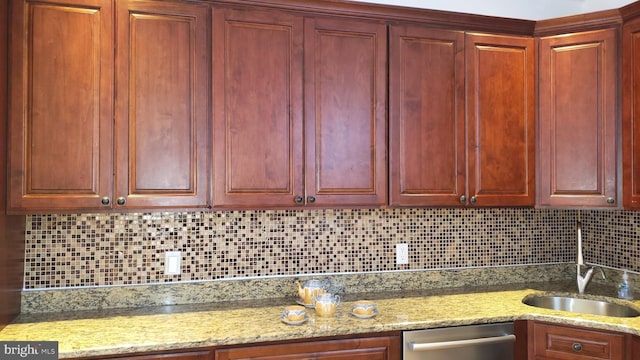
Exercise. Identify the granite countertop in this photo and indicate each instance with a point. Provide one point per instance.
(119, 331)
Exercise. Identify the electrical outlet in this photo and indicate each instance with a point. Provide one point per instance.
(402, 254)
(172, 263)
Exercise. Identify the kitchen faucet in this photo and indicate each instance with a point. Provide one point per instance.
(582, 281)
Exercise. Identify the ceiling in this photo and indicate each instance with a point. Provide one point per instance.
(519, 9)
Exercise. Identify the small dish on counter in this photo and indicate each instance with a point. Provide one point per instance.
(364, 316)
(364, 309)
(301, 302)
(292, 322)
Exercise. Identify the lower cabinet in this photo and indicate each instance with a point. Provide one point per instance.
(204, 354)
(555, 341)
(380, 346)
(366, 348)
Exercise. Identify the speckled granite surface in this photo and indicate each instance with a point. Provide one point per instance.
(121, 331)
(74, 299)
(248, 312)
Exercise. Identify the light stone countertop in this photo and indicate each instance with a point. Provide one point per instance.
(112, 332)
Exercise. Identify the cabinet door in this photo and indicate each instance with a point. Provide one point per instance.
(162, 136)
(577, 122)
(631, 114)
(61, 104)
(549, 341)
(188, 355)
(501, 120)
(375, 348)
(257, 108)
(426, 116)
(345, 112)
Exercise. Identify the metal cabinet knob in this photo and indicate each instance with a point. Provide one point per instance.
(121, 201)
(474, 200)
(577, 347)
(311, 199)
(298, 199)
(463, 199)
(611, 200)
(105, 201)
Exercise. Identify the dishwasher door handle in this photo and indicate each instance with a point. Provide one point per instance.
(460, 343)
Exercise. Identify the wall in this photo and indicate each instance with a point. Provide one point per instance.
(11, 227)
(612, 238)
(124, 249)
(524, 9)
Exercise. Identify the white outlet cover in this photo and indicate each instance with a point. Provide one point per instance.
(402, 254)
(172, 263)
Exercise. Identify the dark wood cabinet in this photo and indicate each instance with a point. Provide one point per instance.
(500, 107)
(62, 112)
(345, 112)
(195, 354)
(259, 150)
(578, 86)
(187, 355)
(631, 114)
(437, 155)
(356, 348)
(257, 108)
(162, 105)
(552, 341)
(426, 116)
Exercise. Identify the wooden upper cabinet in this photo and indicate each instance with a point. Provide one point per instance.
(426, 117)
(345, 112)
(577, 119)
(500, 108)
(259, 150)
(631, 114)
(257, 108)
(162, 105)
(61, 104)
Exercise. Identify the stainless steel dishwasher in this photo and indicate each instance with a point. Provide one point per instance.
(472, 342)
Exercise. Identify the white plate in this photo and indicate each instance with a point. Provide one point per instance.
(298, 322)
(375, 312)
(300, 302)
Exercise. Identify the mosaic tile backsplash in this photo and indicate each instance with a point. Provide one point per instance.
(65, 251)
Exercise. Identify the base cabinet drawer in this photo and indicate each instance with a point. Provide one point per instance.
(551, 341)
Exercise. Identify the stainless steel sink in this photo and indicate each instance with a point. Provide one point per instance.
(581, 305)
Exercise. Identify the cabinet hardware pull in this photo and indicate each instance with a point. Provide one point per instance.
(105, 201)
(611, 200)
(461, 343)
(463, 199)
(298, 199)
(473, 199)
(577, 347)
(121, 201)
(312, 199)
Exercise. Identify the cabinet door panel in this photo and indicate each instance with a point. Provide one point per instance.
(577, 147)
(426, 123)
(631, 114)
(501, 120)
(162, 119)
(563, 342)
(257, 108)
(61, 108)
(374, 348)
(345, 90)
